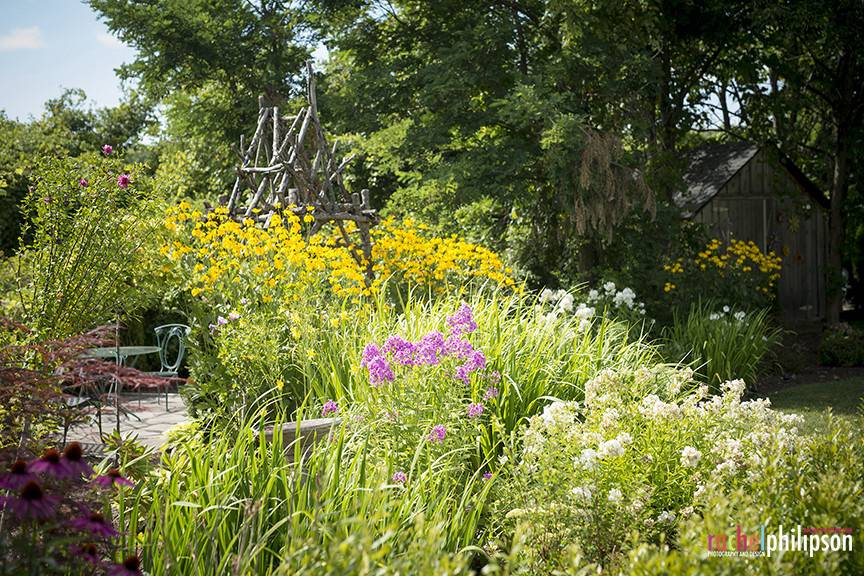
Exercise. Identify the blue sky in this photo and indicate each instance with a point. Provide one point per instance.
(49, 45)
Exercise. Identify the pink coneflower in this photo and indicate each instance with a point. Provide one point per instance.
(399, 477)
(438, 433)
(95, 524)
(107, 149)
(87, 552)
(475, 410)
(73, 459)
(18, 476)
(83, 182)
(131, 566)
(31, 502)
(112, 478)
(330, 407)
(51, 463)
(491, 392)
(123, 180)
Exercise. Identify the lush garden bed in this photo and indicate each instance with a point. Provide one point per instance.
(482, 426)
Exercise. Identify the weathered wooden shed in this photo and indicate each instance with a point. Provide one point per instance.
(744, 191)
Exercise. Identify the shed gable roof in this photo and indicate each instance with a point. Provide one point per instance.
(709, 167)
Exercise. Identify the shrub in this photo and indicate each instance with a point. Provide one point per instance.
(625, 466)
(734, 271)
(92, 224)
(721, 343)
(813, 482)
(842, 346)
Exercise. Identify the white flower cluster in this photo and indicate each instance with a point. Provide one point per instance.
(563, 302)
(622, 299)
(690, 457)
(726, 313)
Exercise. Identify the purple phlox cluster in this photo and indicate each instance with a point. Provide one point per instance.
(30, 502)
(438, 433)
(94, 523)
(491, 392)
(475, 410)
(18, 475)
(112, 478)
(330, 407)
(377, 365)
(476, 360)
(107, 149)
(458, 347)
(123, 180)
(402, 350)
(495, 377)
(399, 477)
(429, 349)
(462, 322)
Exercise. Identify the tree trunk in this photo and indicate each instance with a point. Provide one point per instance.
(836, 231)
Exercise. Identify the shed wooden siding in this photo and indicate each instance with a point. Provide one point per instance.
(762, 203)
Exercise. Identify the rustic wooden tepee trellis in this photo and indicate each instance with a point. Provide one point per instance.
(288, 165)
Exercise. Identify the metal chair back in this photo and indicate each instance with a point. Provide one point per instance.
(165, 334)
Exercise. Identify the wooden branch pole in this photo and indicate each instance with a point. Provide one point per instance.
(288, 166)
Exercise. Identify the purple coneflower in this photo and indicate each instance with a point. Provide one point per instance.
(73, 459)
(18, 476)
(31, 502)
(107, 149)
(475, 410)
(131, 566)
(94, 523)
(87, 552)
(112, 478)
(51, 463)
(491, 392)
(399, 477)
(123, 181)
(330, 407)
(438, 433)
(83, 182)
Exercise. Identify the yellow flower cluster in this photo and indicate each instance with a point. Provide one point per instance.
(407, 251)
(736, 257)
(282, 260)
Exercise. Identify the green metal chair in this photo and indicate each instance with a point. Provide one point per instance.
(169, 336)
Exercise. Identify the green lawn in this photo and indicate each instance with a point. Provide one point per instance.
(812, 401)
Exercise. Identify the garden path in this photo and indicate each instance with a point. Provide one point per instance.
(149, 420)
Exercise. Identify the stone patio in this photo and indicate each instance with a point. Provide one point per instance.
(146, 418)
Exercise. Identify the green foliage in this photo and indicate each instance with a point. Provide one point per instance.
(243, 503)
(814, 483)
(721, 343)
(842, 346)
(93, 250)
